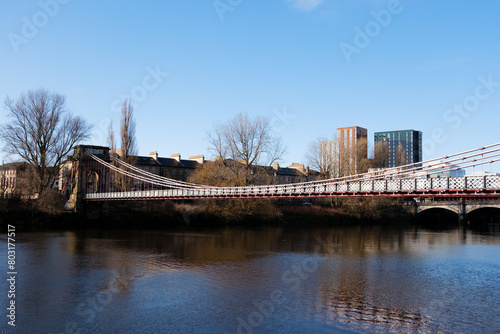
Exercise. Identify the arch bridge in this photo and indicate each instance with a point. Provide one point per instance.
(460, 206)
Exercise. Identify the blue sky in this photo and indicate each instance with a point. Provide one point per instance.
(309, 65)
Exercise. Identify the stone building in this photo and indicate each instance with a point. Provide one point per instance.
(295, 173)
(174, 167)
(12, 179)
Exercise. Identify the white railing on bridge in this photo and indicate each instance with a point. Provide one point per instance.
(362, 187)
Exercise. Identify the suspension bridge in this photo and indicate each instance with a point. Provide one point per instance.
(104, 177)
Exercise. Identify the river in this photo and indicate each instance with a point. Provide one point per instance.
(255, 280)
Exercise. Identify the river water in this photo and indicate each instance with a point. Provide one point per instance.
(261, 280)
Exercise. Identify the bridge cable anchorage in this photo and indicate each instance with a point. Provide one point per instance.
(341, 185)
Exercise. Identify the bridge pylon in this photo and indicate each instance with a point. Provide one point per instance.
(88, 177)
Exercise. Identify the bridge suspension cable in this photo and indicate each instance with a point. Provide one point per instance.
(154, 176)
(415, 169)
(163, 183)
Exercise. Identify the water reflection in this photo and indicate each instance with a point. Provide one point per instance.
(360, 279)
(239, 244)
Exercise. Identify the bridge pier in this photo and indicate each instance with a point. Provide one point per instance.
(462, 217)
(462, 212)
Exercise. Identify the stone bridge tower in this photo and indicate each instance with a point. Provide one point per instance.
(87, 174)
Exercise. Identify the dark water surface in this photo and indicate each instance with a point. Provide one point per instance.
(265, 280)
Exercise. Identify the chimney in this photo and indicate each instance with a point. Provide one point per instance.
(297, 166)
(276, 166)
(154, 155)
(119, 152)
(198, 158)
(176, 156)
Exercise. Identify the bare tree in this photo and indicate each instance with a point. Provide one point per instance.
(111, 137)
(381, 155)
(247, 141)
(42, 132)
(217, 174)
(127, 132)
(401, 156)
(323, 155)
(116, 178)
(214, 173)
(353, 157)
(346, 160)
(128, 151)
(361, 156)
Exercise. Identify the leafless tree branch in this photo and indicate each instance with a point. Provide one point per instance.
(247, 141)
(42, 132)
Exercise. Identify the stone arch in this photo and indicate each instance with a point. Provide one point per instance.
(451, 208)
(437, 217)
(485, 219)
(92, 182)
(470, 208)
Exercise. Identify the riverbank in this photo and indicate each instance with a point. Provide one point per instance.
(158, 214)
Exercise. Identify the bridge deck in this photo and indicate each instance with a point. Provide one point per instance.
(477, 186)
